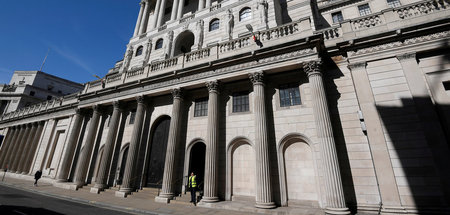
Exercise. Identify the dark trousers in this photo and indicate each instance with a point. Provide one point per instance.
(193, 196)
(35, 181)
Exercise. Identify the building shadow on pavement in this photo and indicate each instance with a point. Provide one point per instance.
(12, 209)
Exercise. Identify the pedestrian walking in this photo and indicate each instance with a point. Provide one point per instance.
(193, 186)
(37, 176)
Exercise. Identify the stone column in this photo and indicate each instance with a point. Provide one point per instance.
(26, 148)
(335, 201)
(72, 142)
(167, 192)
(139, 19)
(143, 27)
(102, 175)
(180, 9)
(162, 8)
(212, 141)
(13, 146)
(19, 148)
(264, 197)
(201, 5)
(155, 14)
(208, 4)
(35, 143)
(174, 14)
(133, 152)
(83, 160)
(7, 145)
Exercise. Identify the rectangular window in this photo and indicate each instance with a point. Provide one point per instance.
(32, 93)
(240, 102)
(337, 17)
(201, 107)
(364, 10)
(289, 95)
(393, 3)
(132, 116)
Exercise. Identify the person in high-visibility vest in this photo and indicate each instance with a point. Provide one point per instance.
(193, 186)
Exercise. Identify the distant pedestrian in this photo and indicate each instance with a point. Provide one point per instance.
(193, 186)
(37, 176)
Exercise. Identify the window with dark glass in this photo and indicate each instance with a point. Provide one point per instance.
(245, 14)
(364, 9)
(49, 97)
(393, 3)
(139, 51)
(214, 25)
(201, 107)
(289, 95)
(159, 44)
(32, 93)
(337, 17)
(446, 85)
(132, 116)
(240, 102)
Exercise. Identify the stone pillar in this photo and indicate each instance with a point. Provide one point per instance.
(212, 141)
(201, 5)
(155, 14)
(143, 27)
(160, 16)
(264, 197)
(102, 175)
(335, 201)
(72, 142)
(174, 14)
(83, 160)
(133, 152)
(12, 134)
(208, 4)
(19, 148)
(180, 9)
(167, 192)
(139, 19)
(14, 143)
(35, 143)
(26, 148)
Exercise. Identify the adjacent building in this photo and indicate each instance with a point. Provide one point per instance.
(339, 105)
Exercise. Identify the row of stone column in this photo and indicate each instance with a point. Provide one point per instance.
(144, 23)
(19, 147)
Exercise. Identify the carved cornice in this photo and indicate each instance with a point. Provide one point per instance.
(257, 77)
(177, 93)
(357, 65)
(406, 56)
(313, 67)
(213, 86)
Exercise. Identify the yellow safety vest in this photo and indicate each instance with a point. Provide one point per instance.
(192, 181)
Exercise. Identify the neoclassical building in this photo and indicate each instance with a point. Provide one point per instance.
(340, 105)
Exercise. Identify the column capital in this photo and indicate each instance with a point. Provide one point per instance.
(213, 86)
(177, 93)
(357, 65)
(140, 99)
(117, 104)
(313, 67)
(97, 108)
(406, 56)
(257, 77)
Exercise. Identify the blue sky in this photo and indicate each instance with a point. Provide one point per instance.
(85, 37)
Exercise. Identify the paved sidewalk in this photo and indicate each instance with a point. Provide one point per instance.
(142, 204)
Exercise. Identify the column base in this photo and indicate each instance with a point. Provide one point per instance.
(18, 172)
(60, 180)
(123, 192)
(97, 190)
(337, 211)
(26, 173)
(74, 186)
(210, 199)
(265, 205)
(160, 199)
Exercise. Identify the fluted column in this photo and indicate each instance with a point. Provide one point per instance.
(264, 197)
(174, 14)
(180, 9)
(13, 146)
(12, 134)
(67, 158)
(143, 27)
(139, 20)
(169, 165)
(201, 5)
(19, 148)
(83, 160)
(102, 175)
(160, 16)
(208, 4)
(334, 194)
(212, 141)
(130, 166)
(33, 146)
(26, 147)
(155, 14)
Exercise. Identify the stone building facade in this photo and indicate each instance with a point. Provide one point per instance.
(340, 105)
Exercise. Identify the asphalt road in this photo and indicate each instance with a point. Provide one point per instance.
(15, 201)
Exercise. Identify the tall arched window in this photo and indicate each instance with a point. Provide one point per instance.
(139, 50)
(159, 44)
(245, 14)
(214, 24)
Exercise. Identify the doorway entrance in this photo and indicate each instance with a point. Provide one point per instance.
(197, 162)
(155, 170)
